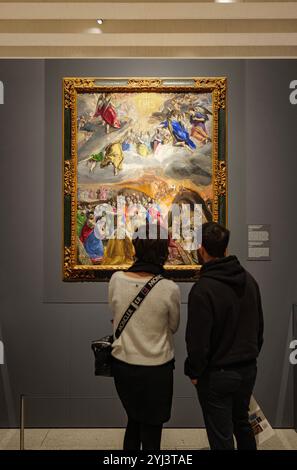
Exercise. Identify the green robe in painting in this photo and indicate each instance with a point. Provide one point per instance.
(81, 218)
(97, 157)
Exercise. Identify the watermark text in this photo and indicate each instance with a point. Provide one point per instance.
(293, 94)
(293, 355)
(1, 353)
(181, 222)
(1, 93)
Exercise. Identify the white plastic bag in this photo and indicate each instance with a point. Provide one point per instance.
(261, 427)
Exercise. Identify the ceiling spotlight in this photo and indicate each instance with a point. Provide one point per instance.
(99, 21)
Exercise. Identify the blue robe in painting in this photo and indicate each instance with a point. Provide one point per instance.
(179, 132)
(94, 246)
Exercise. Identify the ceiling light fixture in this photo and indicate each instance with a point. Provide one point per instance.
(99, 21)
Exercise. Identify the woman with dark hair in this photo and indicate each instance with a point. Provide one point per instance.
(143, 354)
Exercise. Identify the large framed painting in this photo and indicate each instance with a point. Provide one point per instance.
(133, 149)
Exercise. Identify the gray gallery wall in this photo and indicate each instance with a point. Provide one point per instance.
(47, 325)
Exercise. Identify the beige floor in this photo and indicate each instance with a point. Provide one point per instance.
(111, 439)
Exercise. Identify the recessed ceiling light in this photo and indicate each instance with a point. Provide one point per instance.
(99, 21)
(226, 1)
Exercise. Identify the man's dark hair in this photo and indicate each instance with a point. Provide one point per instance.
(215, 239)
(150, 250)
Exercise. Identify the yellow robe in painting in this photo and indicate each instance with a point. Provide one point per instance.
(119, 251)
(142, 150)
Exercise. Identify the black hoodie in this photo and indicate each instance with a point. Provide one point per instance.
(225, 318)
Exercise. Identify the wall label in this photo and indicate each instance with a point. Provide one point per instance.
(259, 239)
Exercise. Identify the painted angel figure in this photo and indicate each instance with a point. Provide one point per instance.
(108, 113)
(178, 131)
(198, 119)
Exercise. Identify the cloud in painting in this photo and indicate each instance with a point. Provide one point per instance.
(173, 162)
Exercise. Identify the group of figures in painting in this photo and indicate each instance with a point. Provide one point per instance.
(145, 151)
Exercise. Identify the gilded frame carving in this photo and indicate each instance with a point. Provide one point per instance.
(71, 87)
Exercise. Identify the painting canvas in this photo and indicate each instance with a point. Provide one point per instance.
(133, 150)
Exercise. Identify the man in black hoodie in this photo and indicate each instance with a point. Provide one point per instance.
(224, 336)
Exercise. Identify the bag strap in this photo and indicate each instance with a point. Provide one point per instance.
(136, 302)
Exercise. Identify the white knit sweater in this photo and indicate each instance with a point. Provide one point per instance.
(147, 338)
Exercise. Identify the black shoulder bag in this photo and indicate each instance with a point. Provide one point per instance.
(102, 348)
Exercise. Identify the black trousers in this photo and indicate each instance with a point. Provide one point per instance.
(146, 394)
(224, 396)
(142, 436)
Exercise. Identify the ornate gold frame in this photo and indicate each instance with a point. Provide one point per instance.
(71, 87)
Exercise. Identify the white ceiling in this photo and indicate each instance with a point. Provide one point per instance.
(164, 28)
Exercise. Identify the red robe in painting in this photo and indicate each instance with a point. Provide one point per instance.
(85, 232)
(109, 115)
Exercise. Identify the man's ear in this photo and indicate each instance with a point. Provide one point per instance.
(201, 250)
(200, 253)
